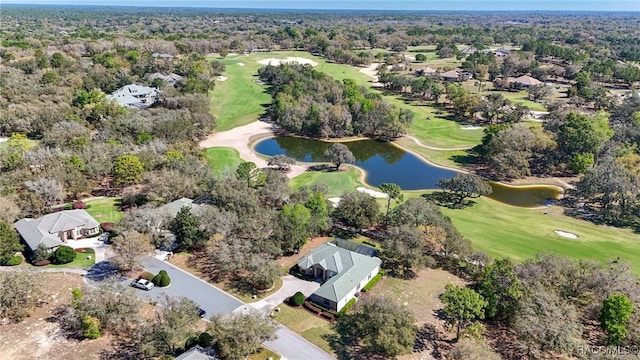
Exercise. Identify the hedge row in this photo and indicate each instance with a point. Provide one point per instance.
(373, 281)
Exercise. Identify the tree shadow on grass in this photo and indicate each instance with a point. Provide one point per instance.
(465, 159)
(445, 199)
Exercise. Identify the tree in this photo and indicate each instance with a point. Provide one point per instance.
(462, 186)
(614, 317)
(421, 57)
(115, 306)
(579, 134)
(281, 162)
(501, 288)
(239, 335)
(186, 227)
(175, 322)
(50, 190)
(127, 170)
(64, 255)
(20, 293)
(338, 154)
(249, 172)
(9, 242)
(404, 246)
(294, 226)
(394, 192)
(357, 209)
(129, 246)
(539, 92)
(376, 327)
(263, 272)
(161, 279)
(547, 322)
(91, 327)
(463, 305)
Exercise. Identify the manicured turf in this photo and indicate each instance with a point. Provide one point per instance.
(105, 210)
(518, 233)
(84, 259)
(222, 158)
(309, 326)
(337, 182)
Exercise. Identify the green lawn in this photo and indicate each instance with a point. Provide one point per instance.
(337, 182)
(105, 210)
(505, 231)
(221, 158)
(309, 326)
(83, 260)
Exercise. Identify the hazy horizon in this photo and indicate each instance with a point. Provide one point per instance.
(455, 5)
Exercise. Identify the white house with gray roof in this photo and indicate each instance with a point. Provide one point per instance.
(53, 230)
(135, 96)
(344, 273)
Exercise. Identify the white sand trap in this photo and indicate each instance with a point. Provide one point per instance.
(565, 234)
(288, 60)
(3, 139)
(240, 64)
(334, 201)
(375, 194)
(222, 78)
(470, 127)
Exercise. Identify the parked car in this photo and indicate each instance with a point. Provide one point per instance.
(201, 312)
(143, 284)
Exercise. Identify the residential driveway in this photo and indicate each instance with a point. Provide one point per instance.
(292, 346)
(290, 285)
(96, 243)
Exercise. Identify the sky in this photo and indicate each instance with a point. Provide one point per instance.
(576, 5)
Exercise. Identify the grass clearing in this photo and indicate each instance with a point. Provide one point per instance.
(264, 354)
(337, 182)
(307, 325)
(84, 259)
(518, 233)
(105, 209)
(221, 158)
(420, 294)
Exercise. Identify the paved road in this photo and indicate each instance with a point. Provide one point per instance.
(210, 298)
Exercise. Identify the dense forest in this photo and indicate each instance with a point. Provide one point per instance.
(311, 103)
(68, 138)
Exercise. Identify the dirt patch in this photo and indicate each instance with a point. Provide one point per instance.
(422, 296)
(40, 337)
(288, 261)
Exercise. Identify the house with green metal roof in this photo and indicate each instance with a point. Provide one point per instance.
(343, 274)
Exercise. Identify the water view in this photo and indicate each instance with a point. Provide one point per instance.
(384, 162)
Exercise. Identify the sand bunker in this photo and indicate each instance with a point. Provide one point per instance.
(288, 60)
(222, 78)
(334, 201)
(240, 64)
(565, 234)
(3, 139)
(375, 194)
(470, 127)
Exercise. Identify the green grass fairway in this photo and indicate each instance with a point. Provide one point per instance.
(518, 233)
(337, 182)
(221, 158)
(105, 210)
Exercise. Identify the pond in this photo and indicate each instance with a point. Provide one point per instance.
(384, 162)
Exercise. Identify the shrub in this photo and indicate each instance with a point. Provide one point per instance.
(147, 276)
(373, 281)
(13, 261)
(79, 205)
(298, 299)
(346, 307)
(42, 263)
(90, 327)
(64, 255)
(162, 279)
(107, 226)
(68, 207)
